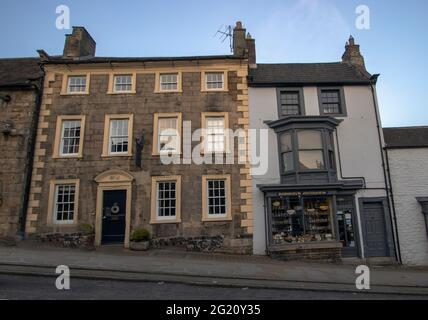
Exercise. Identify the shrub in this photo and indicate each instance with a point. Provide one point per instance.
(140, 235)
(86, 228)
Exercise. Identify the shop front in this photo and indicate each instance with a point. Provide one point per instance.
(310, 224)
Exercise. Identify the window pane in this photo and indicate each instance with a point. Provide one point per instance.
(216, 197)
(290, 103)
(309, 160)
(309, 139)
(288, 161)
(214, 80)
(166, 201)
(169, 81)
(215, 132)
(168, 135)
(70, 137)
(119, 136)
(77, 84)
(64, 203)
(330, 100)
(286, 144)
(122, 83)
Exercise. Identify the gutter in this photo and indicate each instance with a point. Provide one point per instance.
(30, 156)
(388, 188)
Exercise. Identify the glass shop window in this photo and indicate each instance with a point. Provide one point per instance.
(345, 209)
(296, 220)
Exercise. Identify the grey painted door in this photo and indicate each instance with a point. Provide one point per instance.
(376, 244)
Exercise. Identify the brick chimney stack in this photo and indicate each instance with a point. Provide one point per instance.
(353, 55)
(243, 44)
(79, 44)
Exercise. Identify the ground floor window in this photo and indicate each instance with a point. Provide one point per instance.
(64, 203)
(301, 219)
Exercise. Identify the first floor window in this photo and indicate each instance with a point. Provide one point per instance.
(70, 137)
(123, 83)
(76, 84)
(330, 101)
(64, 203)
(216, 197)
(310, 150)
(169, 82)
(215, 134)
(214, 80)
(118, 140)
(168, 135)
(166, 200)
(290, 103)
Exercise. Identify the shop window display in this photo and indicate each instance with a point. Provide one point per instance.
(300, 220)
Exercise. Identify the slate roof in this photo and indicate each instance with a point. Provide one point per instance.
(306, 74)
(406, 137)
(19, 71)
(84, 60)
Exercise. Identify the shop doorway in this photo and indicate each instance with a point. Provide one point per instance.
(375, 229)
(345, 213)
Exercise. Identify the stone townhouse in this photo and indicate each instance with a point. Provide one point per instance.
(407, 155)
(20, 89)
(324, 193)
(104, 126)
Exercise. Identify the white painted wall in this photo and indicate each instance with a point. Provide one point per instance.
(358, 143)
(409, 175)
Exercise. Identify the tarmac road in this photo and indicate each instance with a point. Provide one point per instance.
(16, 287)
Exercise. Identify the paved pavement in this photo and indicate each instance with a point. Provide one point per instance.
(36, 288)
(207, 269)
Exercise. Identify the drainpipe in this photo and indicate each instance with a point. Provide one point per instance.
(30, 157)
(388, 190)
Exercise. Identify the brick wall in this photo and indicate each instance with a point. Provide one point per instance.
(409, 174)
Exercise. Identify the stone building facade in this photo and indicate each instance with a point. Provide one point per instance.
(103, 127)
(407, 152)
(20, 83)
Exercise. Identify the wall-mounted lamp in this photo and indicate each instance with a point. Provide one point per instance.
(6, 128)
(139, 142)
(423, 201)
(5, 98)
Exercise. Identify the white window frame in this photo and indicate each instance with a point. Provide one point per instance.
(204, 80)
(156, 133)
(110, 137)
(207, 82)
(61, 145)
(154, 215)
(130, 84)
(107, 135)
(206, 216)
(169, 83)
(165, 218)
(69, 79)
(55, 204)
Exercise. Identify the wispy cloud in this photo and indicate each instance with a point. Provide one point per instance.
(315, 27)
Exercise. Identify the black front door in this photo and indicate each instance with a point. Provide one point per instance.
(375, 230)
(114, 215)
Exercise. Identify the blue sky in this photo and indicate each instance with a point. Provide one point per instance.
(285, 31)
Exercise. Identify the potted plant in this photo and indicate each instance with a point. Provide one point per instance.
(140, 240)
